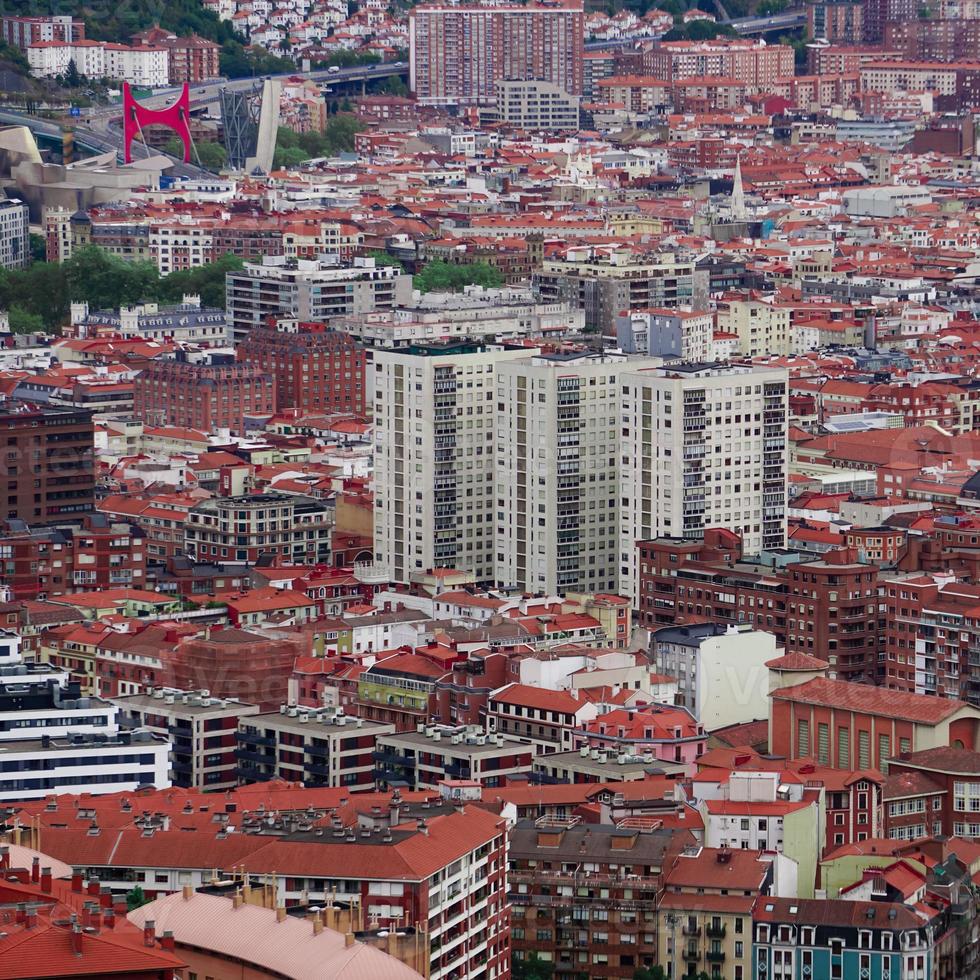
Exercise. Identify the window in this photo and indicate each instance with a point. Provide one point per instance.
(843, 748)
(823, 744)
(803, 738)
(864, 750)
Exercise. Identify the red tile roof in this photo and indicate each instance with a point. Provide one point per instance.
(921, 709)
(537, 697)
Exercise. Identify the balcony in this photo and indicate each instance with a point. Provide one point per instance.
(254, 738)
(692, 953)
(715, 932)
(691, 930)
(715, 956)
(393, 759)
(263, 758)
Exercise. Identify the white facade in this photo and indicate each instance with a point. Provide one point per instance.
(144, 66)
(54, 741)
(434, 450)
(722, 678)
(686, 334)
(704, 445)
(557, 471)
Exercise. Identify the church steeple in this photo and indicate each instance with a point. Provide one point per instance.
(738, 192)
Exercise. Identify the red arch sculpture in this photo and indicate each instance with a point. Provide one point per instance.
(176, 117)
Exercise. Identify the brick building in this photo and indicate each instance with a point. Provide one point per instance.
(215, 394)
(845, 725)
(752, 63)
(47, 464)
(314, 368)
(191, 59)
(40, 562)
(944, 775)
(837, 21)
(826, 607)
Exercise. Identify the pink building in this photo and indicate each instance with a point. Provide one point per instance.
(666, 732)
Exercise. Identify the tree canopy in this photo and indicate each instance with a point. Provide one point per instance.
(293, 148)
(440, 276)
(39, 297)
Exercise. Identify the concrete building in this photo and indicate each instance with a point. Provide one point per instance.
(423, 759)
(55, 741)
(190, 59)
(719, 460)
(536, 106)
(458, 52)
(556, 472)
(15, 240)
(755, 63)
(606, 281)
(240, 529)
(201, 730)
(143, 66)
(721, 672)
(434, 503)
(22, 32)
(762, 328)
(681, 333)
(310, 290)
(316, 747)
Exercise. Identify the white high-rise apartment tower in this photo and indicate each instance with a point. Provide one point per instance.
(557, 471)
(434, 411)
(704, 445)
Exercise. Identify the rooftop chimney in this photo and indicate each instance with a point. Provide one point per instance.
(35, 871)
(94, 888)
(46, 880)
(109, 918)
(280, 914)
(167, 942)
(105, 897)
(188, 892)
(149, 933)
(76, 881)
(348, 939)
(76, 939)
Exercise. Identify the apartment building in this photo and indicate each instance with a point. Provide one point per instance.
(50, 561)
(310, 290)
(556, 473)
(191, 59)
(536, 106)
(143, 66)
(209, 395)
(423, 759)
(22, 32)
(316, 747)
(718, 460)
(753, 63)
(585, 896)
(824, 606)
(680, 333)
(15, 240)
(186, 322)
(459, 51)
(47, 465)
(55, 741)
(240, 529)
(603, 282)
(200, 728)
(435, 411)
(547, 719)
(761, 328)
(721, 672)
(314, 368)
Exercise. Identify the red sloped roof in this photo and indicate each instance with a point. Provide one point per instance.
(537, 697)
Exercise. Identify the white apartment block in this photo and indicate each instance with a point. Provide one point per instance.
(762, 328)
(434, 410)
(703, 445)
(557, 469)
(144, 66)
(721, 672)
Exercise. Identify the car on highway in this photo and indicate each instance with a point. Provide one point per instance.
(333, 70)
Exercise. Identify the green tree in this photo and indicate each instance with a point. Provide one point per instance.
(212, 155)
(532, 968)
(206, 281)
(72, 78)
(23, 321)
(106, 282)
(39, 248)
(650, 973)
(441, 276)
(135, 898)
(383, 258)
(289, 156)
